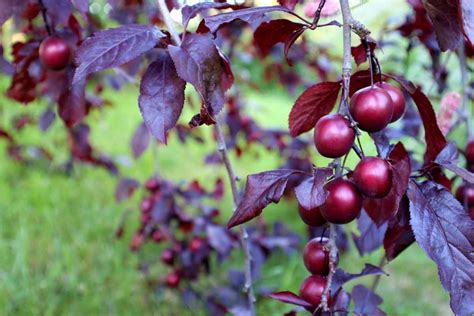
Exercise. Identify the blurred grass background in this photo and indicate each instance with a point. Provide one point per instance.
(58, 254)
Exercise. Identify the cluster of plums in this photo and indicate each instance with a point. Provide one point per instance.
(465, 192)
(316, 261)
(373, 108)
(54, 53)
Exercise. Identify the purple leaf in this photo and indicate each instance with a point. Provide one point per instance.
(11, 7)
(445, 232)
(341, 303)
(161, 97)
(5, 66)
(359, 53)
(46, 119)
(199, 62)
(467, 20)
(72, 104)
(125, 188)
(448, 158)
(290, 298)
(261, 189)
(253, 16)
(381, 210)
(270, 33)
(81, 5)
(189, 12)
(140, 140)
(371, 237)
(341, 277)
(114, 47)
(366, 302)
(399, 235)
(310, 193)
(311, 105)
(219, 239)
(58, 11)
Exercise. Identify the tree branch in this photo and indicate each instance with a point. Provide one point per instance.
(45, 17)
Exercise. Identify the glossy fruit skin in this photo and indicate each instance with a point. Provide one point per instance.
(312, 288)
(311, 217)
(316, 257)
(54, 53)
(343, 202)
(172, 280)
(467, 192)
(372, 108)
(398, 99)
(373, 177)
(470, 152)
(196, 244)
(146, 204)
(333, 136)
(167, 256)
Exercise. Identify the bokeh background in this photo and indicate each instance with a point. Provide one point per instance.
(58, 252)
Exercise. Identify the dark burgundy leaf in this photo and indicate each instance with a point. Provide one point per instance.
(445, 232)
(125, 188)
(399, 235)
(310, 193)
(268, 34)
(382, 209)
(199, 62)
(290, 41)
(359, 53)
(114, 47)
(161, 96)
(359, 80)
(72, 105)
(448, 158)
(371, 237)
(11, 7)
(290, 4)
(341, 277)
(58, 11)
(261, 189)
(253, 16)
(81, 5)
(435, 140)
(140, 140)
(366, 302)
(311, 105)
(290, 298)
(445, 17)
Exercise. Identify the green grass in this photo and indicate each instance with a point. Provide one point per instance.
(58, 254)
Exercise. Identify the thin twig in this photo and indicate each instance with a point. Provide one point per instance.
(169, 21)
(466, 115)
(248, 289)
(222, 147)
(375, 283)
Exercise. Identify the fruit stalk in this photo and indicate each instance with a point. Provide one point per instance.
(45, 18)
